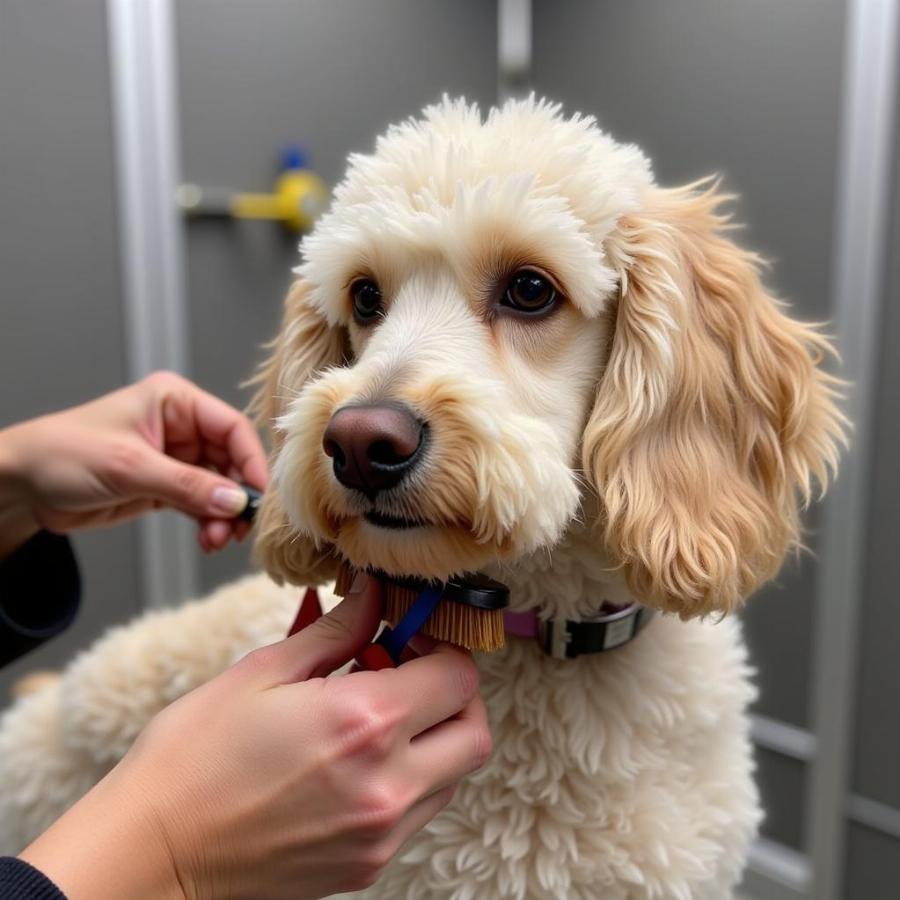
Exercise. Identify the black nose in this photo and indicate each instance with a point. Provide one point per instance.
(373, 447)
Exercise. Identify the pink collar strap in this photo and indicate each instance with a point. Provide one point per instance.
(611, 627)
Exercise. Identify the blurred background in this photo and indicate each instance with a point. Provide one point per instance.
(107, 109)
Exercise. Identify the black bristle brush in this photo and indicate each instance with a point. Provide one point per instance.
(469, 613)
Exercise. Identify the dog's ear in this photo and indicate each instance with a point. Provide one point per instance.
(305, 345)
(713, 418)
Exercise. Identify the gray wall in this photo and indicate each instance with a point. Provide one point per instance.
(60, 313)
(873, 865)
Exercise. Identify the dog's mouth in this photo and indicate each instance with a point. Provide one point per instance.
(402, 540)
(394, 523)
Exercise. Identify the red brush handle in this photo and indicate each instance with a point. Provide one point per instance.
(372, 657)
(310, 610)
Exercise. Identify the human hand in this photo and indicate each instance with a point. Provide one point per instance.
(142, 447)
(273, 783)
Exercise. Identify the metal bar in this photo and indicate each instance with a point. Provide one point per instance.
(776, 872)
(780, 737)
(877, 816)
(863, 191)
(142, 75)
(513, 48)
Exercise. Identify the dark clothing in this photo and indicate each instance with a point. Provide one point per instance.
(20, 881)
(39, 594)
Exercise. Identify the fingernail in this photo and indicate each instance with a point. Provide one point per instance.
(228, 501)
(358, 585)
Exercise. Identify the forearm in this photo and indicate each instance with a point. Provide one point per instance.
(107, 846)
(17, 522)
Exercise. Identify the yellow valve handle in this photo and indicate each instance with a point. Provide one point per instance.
(298, 198)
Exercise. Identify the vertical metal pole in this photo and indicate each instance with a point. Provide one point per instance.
(513, 48)
(145, 119)
(863, 195)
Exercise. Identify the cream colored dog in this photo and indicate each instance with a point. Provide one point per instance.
(552, 370)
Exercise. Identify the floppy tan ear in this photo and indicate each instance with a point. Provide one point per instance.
(713, 418)
(305, 345)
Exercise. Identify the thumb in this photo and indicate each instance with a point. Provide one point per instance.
(190, 489)
(332, 640)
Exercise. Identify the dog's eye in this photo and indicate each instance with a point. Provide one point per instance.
(529, 292)
(366, 300)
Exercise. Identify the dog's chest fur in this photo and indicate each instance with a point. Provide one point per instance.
(623, 775)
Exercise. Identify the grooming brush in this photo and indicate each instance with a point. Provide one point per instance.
(254, 498)
(466, 611)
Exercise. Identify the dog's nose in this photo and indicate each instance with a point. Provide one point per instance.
(373, 447)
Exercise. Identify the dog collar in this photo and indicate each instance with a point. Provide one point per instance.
(611, 627)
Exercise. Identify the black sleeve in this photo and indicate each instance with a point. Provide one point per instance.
(21, 881)
(39, 594)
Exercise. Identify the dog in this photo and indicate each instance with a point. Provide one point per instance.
(508, 350)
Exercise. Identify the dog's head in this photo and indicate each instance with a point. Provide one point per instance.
(496, 318)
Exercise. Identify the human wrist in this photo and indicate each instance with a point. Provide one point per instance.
(107, 845)
(17, 521)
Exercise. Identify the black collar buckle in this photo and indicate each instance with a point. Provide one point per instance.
(571, 638)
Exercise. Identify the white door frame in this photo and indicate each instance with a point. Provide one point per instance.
(142, 64)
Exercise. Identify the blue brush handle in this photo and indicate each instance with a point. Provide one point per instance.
(395, 639)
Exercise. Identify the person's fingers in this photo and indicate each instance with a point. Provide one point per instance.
(130, 510)
(200, 417)
(329, 642)
(421, 644)
(217, 533)
(214, 534)
(209, 536)
(192, 490)
(101, 517)
(218, 458)
(433, 687)
(453, 749)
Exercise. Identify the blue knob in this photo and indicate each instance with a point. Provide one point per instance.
(293, 156)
